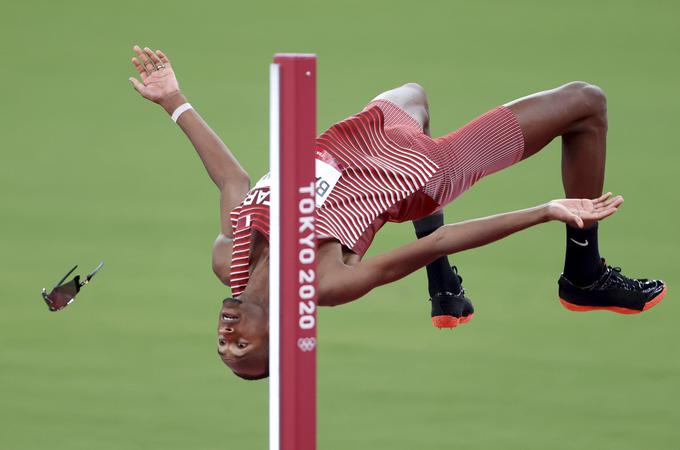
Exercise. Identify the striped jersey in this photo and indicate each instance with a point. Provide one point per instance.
(252, 213)
(379, 166)
(361, 174)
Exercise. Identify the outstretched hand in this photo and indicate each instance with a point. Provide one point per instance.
(159, 83)
(577, 212)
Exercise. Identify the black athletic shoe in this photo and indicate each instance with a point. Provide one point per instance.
(613, 291)
(451, 309)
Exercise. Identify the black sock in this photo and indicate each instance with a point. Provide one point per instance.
(582, 263)
(440, 276)
(428, 225)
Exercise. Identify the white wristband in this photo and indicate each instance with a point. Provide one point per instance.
(180, 109)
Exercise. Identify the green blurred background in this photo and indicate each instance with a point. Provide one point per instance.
(91, 171)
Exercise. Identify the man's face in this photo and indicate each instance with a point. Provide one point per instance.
(243, 337)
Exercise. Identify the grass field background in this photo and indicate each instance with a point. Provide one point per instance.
(90, 171)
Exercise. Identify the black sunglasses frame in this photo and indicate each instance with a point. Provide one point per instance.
(54, 303)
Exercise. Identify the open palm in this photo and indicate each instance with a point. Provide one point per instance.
(576, 212)
(158, 78)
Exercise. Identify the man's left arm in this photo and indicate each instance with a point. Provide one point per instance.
(343, 284)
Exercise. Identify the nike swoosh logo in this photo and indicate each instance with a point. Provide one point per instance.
(582, 244)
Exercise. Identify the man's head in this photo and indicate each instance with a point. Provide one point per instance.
(243, 338)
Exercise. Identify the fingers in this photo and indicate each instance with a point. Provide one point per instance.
(618, 201)
(607, 199)
(599, 214)
(139, 87)
(602, 198)
(576, 221)
(163, 58)
(606, 213)
(153, 57)
(146, 62)
(611, 202)
(140, 68)
(600, 201)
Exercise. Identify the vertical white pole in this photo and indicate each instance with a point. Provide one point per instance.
(292, 253)
(274, 261)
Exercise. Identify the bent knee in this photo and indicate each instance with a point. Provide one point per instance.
(419, 90)
(591, 97)
(412, 98)
(417, 95)
(407, 95)
(416, 103)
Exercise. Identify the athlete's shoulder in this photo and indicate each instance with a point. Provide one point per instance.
(221, 257)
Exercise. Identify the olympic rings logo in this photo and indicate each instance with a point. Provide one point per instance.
(306, 344)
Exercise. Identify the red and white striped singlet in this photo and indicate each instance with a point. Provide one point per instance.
(252, 213)
(378, 166)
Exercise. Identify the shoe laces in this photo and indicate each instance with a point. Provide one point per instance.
(618, 279)
(460, 281)
(460, 293)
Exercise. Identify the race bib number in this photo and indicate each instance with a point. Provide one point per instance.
(327, 176)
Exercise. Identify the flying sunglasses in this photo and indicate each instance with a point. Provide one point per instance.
(64, 293)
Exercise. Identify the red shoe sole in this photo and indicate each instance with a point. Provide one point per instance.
(450, 321)
(616, 309)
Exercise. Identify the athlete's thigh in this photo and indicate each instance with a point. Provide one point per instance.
(412, 98)
(548, 114)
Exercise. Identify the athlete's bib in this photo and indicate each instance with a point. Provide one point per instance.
(327, 176)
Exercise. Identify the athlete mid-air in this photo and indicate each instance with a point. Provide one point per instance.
(385, 167)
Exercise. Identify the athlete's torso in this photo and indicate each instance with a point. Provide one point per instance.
(364, 179)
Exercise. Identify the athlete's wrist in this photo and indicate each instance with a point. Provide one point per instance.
(172, 101)
(547, 212)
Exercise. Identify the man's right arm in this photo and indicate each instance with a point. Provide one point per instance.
(221, 165)
(227, 174)
(159, 85)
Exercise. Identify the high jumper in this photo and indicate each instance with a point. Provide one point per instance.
(381, 165)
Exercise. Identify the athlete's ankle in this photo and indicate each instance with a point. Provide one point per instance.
(582, 263)
(441, 277)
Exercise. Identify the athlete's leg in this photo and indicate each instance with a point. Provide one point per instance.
(440, 276)
(449, 304)
(578, 113)
(412, 98)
